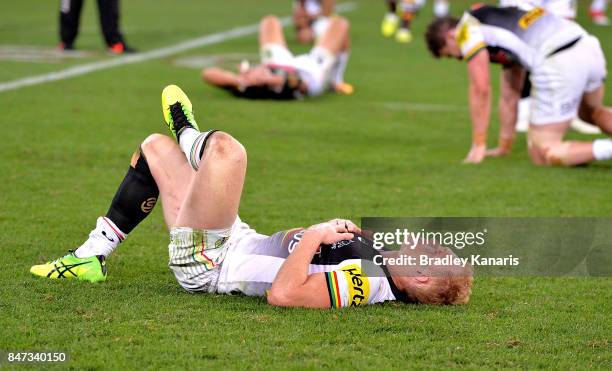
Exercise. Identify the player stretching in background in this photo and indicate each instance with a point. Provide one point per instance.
(562, 8)
(199, 178)
(397, 21)
(311, 18)
(567, 68)
(281, 75)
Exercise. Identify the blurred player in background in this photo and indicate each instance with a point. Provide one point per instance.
(70, 15)
(311, 18)
(400, 14)
(562, 8)
(199, 177)
(567, 68)
(281, 75)
(597, 12)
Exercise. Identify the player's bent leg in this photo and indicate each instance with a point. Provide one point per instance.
(213, 197)
(171, 171)
(271, 32)
(546, 146)
(336, 37)
(208, 215)
(134, 199)
(594, 112)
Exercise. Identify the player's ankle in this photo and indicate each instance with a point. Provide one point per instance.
(103, 239)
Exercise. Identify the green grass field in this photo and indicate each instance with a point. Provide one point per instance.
(392, 149)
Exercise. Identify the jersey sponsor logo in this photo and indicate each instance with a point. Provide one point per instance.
(530, 17)
(148, 205)
(358, 285)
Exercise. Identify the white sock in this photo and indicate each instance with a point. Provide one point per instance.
(391, 15)
(340, 67)
(598, 6)
(102, 240)
(191, 142)
(441, 8)
(602, 149)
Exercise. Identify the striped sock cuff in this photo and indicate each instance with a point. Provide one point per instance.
(196, 150)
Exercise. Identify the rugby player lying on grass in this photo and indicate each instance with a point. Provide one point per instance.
(567, 68)
(200, 181)
(281, 75)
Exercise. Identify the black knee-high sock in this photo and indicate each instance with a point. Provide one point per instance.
(135, 197)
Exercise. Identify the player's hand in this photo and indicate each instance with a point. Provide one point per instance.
(476, 154)
(350, 226)
(497, 152)
(332, 231)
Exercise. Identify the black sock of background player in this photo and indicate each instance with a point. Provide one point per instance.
(392, 4)
(135, 197)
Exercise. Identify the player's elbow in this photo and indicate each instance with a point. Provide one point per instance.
(280, 298)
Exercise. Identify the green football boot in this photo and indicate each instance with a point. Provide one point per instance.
(92, 269)
(177, 110)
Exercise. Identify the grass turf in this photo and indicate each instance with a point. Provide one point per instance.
(392, 149)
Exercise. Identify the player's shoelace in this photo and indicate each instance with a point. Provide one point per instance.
(179, 118)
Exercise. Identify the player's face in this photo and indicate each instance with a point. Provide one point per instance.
(451, 48)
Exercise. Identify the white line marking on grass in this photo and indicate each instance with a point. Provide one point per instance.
(205, 40)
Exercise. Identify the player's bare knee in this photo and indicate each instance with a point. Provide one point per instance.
(340, 24)
(556, 154)
(270, 21)
(154, 142)
(221, 145)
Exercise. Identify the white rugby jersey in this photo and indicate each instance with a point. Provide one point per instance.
(253, 260)
(561, 8)
(514, 36)
(349, 286)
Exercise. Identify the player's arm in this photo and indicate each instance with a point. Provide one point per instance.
(221, 78)
(511, 86)
(293, 286)
(480, 104)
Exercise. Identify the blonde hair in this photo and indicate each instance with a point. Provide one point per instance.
(447, 284)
